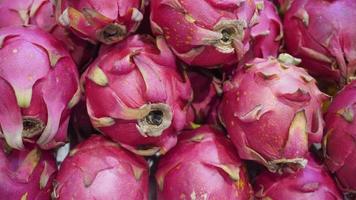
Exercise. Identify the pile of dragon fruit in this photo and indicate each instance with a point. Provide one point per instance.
(177, 99)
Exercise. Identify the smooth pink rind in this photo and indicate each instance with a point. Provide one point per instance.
(312, 182)
(204, 164)
(101, 169)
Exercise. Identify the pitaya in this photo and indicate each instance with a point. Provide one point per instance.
(41, 14)
(106, 21)
(207, 91)
(272, 112)
(340, 138)
(312, 182)
(203, 165)
(100, 169)
(136, 95)
(199, 30)
(39, 85)
(26, 174)
(322, 34)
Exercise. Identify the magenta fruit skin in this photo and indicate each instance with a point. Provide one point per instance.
(26, 174)
(133, 80)
(227, 31)
(312, 182)
(206, 97)
(340, 138)
(327, 51)
(39, 85)
(98, 169)
(203, 165)
(272, 112)
(105, 21)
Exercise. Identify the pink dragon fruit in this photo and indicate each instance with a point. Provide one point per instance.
(327, 51)
(41, 14)
(136, 96)
(312, 182)
(226, 31)
(39, 85)
(100, 169)
(340, 138)
(207, 91)
(26, 174)
(272, 112)
(106, 21)
(203, 165)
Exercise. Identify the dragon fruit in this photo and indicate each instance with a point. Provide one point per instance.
(106, 21)
(340, 138)
(41, 14)
(136, 95)
(312, 182)
(39, 85)
(100, 169)
(272, 112)
(327, 51)
(200, 30)
(203, 165)
(207, 91)
(26, 174)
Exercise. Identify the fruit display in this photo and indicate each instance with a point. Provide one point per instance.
(177, 100)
